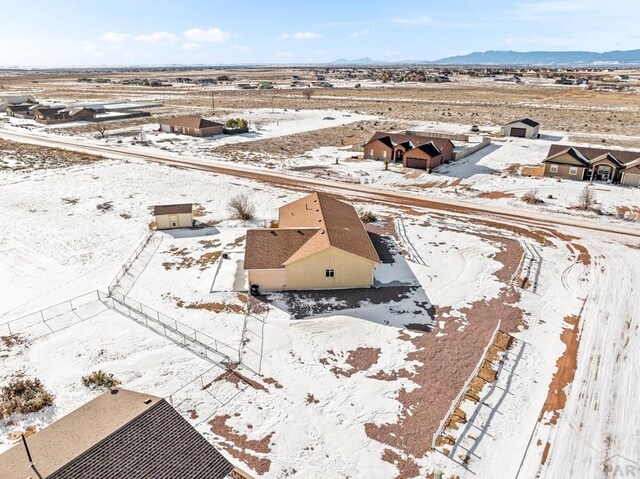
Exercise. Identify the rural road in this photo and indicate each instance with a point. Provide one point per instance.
(363, 192)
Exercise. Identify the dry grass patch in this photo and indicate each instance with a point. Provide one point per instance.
(100, 379)
(24, 396)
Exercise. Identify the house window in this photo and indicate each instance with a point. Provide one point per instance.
(553, 169)
(371, 152)
(384, 154)
(573, 171)
(329, 273)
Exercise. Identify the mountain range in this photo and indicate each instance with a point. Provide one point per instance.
(506, 57)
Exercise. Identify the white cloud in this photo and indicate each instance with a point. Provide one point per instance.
(213, 35)
(557, 6)
(240, 48)
(89, 47)
(190, 46)
(361, 33)
(115, 37)
(299, 36)
(285, 54)
(155, 37)
(421, 20)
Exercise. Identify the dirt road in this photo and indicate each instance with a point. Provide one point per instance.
(361, 192)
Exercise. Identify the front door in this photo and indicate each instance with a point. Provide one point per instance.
(603, 173)
(399, 155)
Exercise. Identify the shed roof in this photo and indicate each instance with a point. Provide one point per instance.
(118, 434)
(194, 122)
(306, 227)
(526, 121)
(172, 209)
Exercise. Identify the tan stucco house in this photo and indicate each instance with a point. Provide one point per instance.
(593, 164)
(173, 216)
(320, 243)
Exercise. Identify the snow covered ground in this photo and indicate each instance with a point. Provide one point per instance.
(328, 381)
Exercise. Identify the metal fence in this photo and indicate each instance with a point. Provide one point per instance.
(127, 265)
(55, 318)
(444, 136)
(472, 149)
(197, 341)
(464, 389)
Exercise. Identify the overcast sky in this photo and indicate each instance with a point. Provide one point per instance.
(142, 32)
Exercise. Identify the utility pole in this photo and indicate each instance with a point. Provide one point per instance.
(213, 102)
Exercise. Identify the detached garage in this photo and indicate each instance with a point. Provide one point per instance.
(526, 128)
(173, 216)
(192, 125)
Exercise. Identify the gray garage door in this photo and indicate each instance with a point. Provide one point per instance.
(519, 132)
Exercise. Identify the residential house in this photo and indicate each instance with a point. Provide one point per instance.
(192, 125)
(319, 243)
(411, 150)
(52, 116)
(19, 111)
(525, 128)
(6, 101)
(593, 164)
(121, 434)
(173, 216)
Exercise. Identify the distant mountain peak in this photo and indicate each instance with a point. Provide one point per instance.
(543, 58)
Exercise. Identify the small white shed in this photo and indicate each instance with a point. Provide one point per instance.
(525, 128)
(173, 216)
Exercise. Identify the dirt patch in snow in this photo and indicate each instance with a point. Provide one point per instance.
(217, 307)
(407, 468)
(565, 372)
(241, 444)
(360, 359)
(583, 254)
(494, 195)
(236, 378)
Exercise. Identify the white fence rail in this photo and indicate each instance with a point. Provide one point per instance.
(472, 149)
(464, 389)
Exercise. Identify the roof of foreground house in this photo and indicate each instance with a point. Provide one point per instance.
(306, 227)
(195, 122)
(118, 434)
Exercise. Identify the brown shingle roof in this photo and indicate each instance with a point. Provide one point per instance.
(126, 434)
(271, 248)
(624, 156)
(172, 209)
(416, 140)
(195, 122)
(335, 223)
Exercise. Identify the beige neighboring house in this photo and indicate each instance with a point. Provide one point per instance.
(119, 434)
(192, 125)
(173, 216)
(320, 243)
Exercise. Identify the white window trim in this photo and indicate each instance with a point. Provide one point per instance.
(370, 151)
(384, 154)
(553, 168)
(573, 170)
(330, 273)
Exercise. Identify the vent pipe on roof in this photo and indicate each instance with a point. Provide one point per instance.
(31, 464)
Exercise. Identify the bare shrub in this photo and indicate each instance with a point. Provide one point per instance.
(23, 396)
(308, 93)
(106, 206)
(531, 197)
(586, 199)
(513, 169)
(100, 379)
(368, 217)
(241, 207)
(101, 128)
(70, 201)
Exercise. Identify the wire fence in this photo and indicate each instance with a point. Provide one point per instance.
(132, 258)
(197, 341)
(55, 318)
(465, 388)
